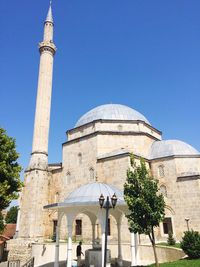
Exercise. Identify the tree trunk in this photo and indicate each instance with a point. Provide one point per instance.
(155, 254)
(152, 239)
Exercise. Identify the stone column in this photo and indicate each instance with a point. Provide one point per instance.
(93, 234)
(134, 249)
(119, 260)
(101, 219)
(102, 247)
(69, 246)
(70, 220)
(56, 263)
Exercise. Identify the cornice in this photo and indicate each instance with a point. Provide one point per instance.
(114, 121)
(174, 157)
(132, 133)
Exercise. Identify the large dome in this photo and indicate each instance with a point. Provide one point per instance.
(111, 112)
(167, 148)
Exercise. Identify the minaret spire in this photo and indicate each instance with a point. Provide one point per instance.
(49, 17)
(47, 49)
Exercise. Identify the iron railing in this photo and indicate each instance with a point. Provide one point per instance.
(29, 263)
(16, 263)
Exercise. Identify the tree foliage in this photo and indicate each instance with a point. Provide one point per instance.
(2, 224)
(190, 244)
(11, 216)
(146, 205)
(10, 183)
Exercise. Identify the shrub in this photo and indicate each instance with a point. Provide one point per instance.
(2, 224)
(53, 237)
(190, 244)
(170, 240)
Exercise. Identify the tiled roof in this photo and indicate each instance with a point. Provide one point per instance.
(9, 230)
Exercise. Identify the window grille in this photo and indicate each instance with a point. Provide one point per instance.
(161, 171)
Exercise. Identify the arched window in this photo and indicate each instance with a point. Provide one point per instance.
(78, 227)
(161, 171)
(163, 190)
(56, 196)
(91, 174)
(68, 178)
(79, 158)
(167, 225)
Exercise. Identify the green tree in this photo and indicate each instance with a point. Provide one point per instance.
(10, 183)
(170, 240)
(146, 205)
(11, 216)
(2, 224)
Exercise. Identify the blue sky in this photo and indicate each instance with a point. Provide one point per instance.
(144, 54)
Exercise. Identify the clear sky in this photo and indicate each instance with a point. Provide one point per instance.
(141, 53)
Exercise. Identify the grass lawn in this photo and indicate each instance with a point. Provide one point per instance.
(177, 245)
(180, 263)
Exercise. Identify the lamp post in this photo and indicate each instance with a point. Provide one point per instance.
(107, 205)
(187, 222)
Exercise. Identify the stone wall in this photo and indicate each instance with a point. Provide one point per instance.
(45, 253)
(113, 170)
(33, 218)
(182, 191)
(113, 126)
(164, 254)
(19, 249)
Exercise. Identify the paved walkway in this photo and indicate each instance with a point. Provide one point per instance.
(3, 264)
(51, 264)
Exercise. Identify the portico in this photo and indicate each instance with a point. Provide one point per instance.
(85, 200)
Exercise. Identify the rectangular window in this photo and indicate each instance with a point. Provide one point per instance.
(55, 223)
(109, 226)
(78, 227)
(167, 226)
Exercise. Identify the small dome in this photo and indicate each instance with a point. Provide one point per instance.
(167, 148)
(111, 112)
(89, 194)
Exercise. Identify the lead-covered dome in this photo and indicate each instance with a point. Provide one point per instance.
(111, 112)
(165, 148)
(89, 194)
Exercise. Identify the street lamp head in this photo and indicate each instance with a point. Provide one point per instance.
(101, 200)
(114, 200)
(187, 219)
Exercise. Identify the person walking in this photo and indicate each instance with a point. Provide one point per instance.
(78, 253)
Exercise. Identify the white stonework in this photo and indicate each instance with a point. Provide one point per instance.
(33, 220)
(99, 150)
(39, 159)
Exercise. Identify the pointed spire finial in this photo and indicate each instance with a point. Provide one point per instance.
(49, 14)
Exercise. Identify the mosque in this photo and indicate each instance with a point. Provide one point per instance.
(95, 158)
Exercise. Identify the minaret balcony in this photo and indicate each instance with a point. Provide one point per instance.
(47, 46)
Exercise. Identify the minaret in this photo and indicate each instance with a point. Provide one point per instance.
(47, 49)
(33, 218)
